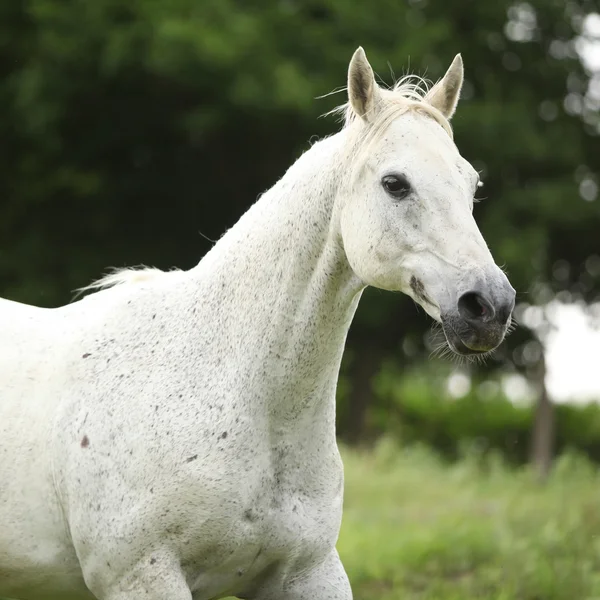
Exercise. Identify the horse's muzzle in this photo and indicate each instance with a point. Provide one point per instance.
(480, 320)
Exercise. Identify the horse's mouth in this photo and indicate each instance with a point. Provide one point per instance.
(459, 347)
(478, 347)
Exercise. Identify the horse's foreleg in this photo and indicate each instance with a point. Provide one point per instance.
(156, 577)
(328, 581)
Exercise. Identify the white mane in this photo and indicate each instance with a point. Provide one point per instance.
(140, 274)
(407, 94)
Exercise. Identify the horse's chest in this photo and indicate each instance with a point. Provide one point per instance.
(283, 521)
(285, 538)
(288, 520)
(290, 514)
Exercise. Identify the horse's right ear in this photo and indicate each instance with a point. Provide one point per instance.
(445, 93)
(363, 91)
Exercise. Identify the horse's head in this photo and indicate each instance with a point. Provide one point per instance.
(406, 208)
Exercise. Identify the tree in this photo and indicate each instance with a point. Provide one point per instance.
(129, 128)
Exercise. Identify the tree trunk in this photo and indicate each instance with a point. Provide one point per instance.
(542, 446)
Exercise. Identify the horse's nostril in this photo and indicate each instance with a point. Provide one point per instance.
(474, 307)
(504, 313)
(504, 309)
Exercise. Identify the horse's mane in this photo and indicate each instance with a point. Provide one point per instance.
(127, 275)
(406, 95)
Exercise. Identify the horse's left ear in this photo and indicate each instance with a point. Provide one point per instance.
(363, 91)
(445, 93)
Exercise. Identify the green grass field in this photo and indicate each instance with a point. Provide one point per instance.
(415, 528)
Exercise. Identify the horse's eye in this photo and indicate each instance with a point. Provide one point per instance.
(396, 186)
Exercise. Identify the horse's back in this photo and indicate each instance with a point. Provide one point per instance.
(35, 550)
(26, 335)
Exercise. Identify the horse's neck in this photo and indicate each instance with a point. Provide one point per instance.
(288, 287)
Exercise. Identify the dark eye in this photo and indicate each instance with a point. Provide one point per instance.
(396, 186)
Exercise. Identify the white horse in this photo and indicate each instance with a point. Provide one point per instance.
(173, 437)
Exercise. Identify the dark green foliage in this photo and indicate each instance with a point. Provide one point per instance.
(127, 129)
(126, 126)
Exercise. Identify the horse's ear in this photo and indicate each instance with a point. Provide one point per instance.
(363, 91)
(445, 93)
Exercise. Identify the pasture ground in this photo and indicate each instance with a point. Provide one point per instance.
(418, 529)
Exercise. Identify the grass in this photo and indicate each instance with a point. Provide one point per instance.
(415, 528)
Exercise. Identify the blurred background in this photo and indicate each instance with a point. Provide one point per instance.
(135, 132)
